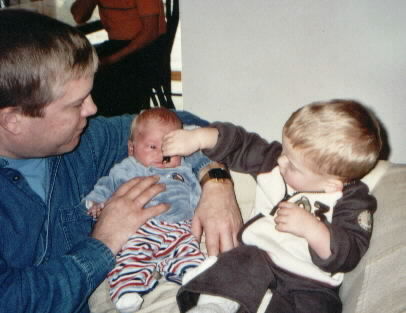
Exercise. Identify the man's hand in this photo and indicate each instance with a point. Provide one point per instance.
(218, 216)
(124, 212)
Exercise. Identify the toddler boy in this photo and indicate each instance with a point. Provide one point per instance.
(315, 215)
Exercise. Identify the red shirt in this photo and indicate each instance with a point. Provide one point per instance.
(122, 18)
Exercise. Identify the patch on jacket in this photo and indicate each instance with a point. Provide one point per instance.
(177, 176)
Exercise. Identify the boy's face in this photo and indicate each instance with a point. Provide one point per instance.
(64, 120)
(298, 174)
(146, 144)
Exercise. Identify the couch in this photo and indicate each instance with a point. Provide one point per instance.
(376, 285)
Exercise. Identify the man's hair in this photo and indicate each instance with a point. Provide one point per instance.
(38, 55)
(160, 114)
(337, 137)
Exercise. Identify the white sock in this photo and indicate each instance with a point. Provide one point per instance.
(129, 303)
(193, 272)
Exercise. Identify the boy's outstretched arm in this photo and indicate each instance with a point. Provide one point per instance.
(185, 142)
(217, 214)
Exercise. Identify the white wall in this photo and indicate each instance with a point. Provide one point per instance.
(254, 62)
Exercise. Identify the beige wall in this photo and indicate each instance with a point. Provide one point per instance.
(254, 62)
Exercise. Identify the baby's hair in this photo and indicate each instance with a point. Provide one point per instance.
(162, 115)
(338, 137)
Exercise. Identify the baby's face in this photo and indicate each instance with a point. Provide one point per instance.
(147, 142)
(297, 173)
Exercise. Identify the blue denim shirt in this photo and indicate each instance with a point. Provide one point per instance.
(48, 262)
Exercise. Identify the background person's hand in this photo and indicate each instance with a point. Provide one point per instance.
(124, 212)
(295, 220)
(218, 216)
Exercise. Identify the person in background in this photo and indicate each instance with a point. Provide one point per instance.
(164, 245)
(315, 220)
(131, 57)
(52, 254)
(130, 25)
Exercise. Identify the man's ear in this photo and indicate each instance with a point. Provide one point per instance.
(130, 145)
(333, 185)
(10, 118)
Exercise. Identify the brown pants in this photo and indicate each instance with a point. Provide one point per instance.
(245, 273)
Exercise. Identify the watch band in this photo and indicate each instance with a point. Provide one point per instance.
(217, 174)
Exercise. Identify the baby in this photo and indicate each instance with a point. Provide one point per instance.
(164, 245)
(315, 215)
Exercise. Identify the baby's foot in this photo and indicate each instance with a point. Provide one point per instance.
(129, 303)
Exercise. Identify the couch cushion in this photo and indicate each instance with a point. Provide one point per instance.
(378, 283)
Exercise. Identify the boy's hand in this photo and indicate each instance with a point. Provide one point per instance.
(293, 219)
(180, 142)
(185, 142)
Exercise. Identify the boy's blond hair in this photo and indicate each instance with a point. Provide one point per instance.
(162, 115)
(337, 137)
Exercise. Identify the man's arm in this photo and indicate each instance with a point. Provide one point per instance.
(217, 214)
(63, 284)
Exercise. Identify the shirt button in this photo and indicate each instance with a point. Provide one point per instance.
(16, 178)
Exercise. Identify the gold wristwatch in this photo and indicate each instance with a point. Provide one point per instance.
(217, 174)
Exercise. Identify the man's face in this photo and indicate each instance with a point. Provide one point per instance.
(64, 120)
(146, 146)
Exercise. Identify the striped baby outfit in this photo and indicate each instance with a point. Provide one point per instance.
(156, 249)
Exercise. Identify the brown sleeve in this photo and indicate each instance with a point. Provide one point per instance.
(243, 151)
(350, 232)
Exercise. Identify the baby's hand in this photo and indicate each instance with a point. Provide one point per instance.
(293, 219)
(180, 142)
(95, 210)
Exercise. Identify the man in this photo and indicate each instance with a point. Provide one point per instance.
(130, 25)
(132, 58)
(52, 255)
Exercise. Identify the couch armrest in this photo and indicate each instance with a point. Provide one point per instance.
(244, 186)
(371, 286)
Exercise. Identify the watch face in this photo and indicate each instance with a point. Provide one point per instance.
(219, 173)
